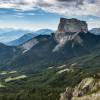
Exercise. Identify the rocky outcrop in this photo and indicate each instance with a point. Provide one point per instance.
(87, 89)
(68, 30)
(28, 45)
(72, 26)
(67, 95)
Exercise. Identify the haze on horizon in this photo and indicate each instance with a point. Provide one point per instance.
(38, 14)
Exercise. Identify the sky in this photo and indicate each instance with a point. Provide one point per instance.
(39, 14)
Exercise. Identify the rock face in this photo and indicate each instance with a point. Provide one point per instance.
(68, 30)
(88, 89)
(72, 26)
(28, 45)
(69, 27)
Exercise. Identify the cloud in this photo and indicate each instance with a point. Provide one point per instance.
(18, 4)
(63, 7)
(20, 9)
(73, 7)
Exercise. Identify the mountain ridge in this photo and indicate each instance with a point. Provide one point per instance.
(29, 36)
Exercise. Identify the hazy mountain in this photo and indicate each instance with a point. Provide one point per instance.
(7, 35)
(29, 36)
(21, 40)
(55, 48)
(44, 32)
(95, 31)
(3, 30)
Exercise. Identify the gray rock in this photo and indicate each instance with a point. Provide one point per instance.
(67, 95)
(68, 30)
(87, 89)
(69, 27)
(72, 26)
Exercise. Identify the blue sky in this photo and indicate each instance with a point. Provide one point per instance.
(32, 20)
(38, 14)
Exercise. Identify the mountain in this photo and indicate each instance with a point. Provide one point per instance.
(43, 32)
(95, 31)
(42, 51)
(7, 53)
(68, 30)
(2, 30)
(79, 75)
(72, 26)
(29, 36)
(7, 35)
(56, 48)
(42, 67)
(21, 40)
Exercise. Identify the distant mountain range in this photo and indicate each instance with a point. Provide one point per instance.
(22, 36)
(43, 32)
(21, 40)
(7, 35)
(95, 31)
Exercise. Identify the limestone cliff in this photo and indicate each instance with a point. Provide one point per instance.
(68, 30)
(87, 89)
(72, 26)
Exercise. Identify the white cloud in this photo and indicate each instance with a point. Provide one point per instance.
(18, 4)
(74, 8)
(64, 7)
